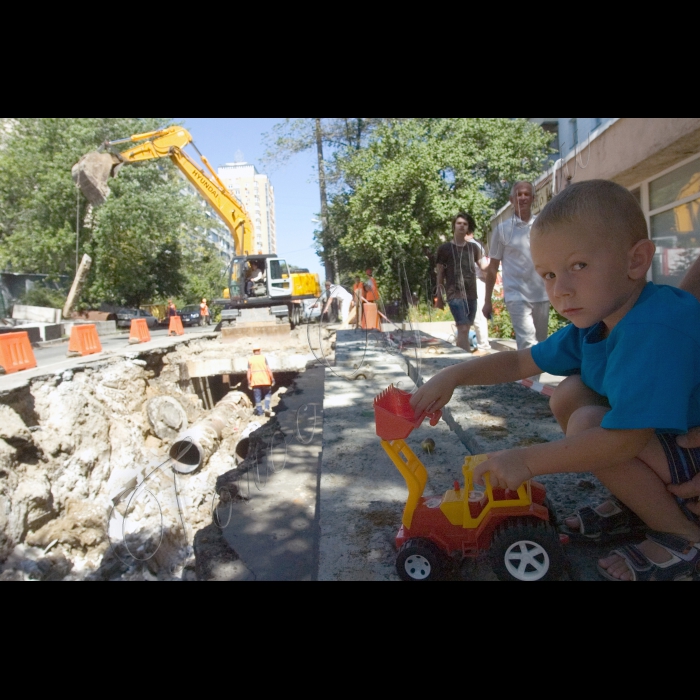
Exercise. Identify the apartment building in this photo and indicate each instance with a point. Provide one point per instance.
(216, 233)
(658, 160)
(257, 195)
(568, 133)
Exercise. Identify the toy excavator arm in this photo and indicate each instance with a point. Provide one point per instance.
(169, 143)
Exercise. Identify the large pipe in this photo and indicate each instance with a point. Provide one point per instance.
(193, 447)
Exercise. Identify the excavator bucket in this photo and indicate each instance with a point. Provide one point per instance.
(92, 172)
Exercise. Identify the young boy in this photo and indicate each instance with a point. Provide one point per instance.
(633, 355)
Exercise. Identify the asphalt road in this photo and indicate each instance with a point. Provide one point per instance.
(52, 354)
(53, 358)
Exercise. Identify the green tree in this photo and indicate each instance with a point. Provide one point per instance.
(135, 238)
(342, 136)
(206, 273)
(397, 195)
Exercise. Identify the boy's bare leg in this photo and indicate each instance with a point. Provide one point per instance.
(570, 395)
(640, 483)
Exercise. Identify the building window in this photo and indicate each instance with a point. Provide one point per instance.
(674, 221)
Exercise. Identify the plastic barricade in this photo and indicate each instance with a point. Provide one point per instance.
(370, 316)
(84, 340)
(16, 352)
(139, 332)
(176, 326)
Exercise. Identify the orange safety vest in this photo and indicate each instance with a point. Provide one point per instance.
(259, 375)
(373, 294)
(204, 309)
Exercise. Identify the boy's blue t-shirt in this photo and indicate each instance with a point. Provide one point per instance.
(648, 367)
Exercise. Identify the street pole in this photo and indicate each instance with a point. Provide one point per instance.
(331, 269)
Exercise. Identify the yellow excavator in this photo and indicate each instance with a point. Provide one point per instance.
(261, 290)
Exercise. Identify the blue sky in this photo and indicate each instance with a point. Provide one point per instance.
(296, 189)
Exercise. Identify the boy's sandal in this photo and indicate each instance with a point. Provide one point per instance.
(684, 564)
(600, 528)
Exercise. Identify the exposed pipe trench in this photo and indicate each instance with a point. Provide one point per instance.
(193, 447)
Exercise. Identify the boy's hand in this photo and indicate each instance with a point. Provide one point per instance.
(690, 489)
(434, 394)
(507, 470)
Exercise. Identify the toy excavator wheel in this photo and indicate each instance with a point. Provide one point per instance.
(527, 551)
(420, 560)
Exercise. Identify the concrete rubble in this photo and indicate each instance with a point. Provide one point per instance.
(86, 486)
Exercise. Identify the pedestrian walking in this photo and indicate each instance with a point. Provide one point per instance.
(524, 290)
(260, 380)
(481, 325)
(457, 262)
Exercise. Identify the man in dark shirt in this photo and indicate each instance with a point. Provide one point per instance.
(456, 276)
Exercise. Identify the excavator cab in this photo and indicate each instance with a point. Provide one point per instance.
(259, 276)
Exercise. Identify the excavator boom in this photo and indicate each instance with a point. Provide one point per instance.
(94, 170)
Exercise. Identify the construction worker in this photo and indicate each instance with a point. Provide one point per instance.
(371, 291)
(260, 378)
(172, 312)
(204, 312)
(358, 297)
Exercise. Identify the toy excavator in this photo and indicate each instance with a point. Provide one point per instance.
(516, 528)
(276, 295)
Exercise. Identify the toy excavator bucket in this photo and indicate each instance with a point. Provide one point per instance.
(92, 172)
(393, 416)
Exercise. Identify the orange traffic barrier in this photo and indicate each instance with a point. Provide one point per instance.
(84, 339)
(16, 352)
(139, 331)
(176, 326)
(370, 316)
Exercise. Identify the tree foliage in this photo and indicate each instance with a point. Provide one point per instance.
(395, 197)
(395, 184)
(136, 238)
(293, 136)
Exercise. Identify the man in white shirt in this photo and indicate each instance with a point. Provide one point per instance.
(481, 325)
(335, 291)
(523, 289)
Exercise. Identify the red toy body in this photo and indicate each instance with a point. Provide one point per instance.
(515, 527)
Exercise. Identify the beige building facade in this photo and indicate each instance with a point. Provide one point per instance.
(257, 195)
(658, 160)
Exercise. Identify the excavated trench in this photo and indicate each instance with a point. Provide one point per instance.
(90, 486)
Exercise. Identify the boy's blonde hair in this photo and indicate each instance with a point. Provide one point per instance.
(601, 205)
